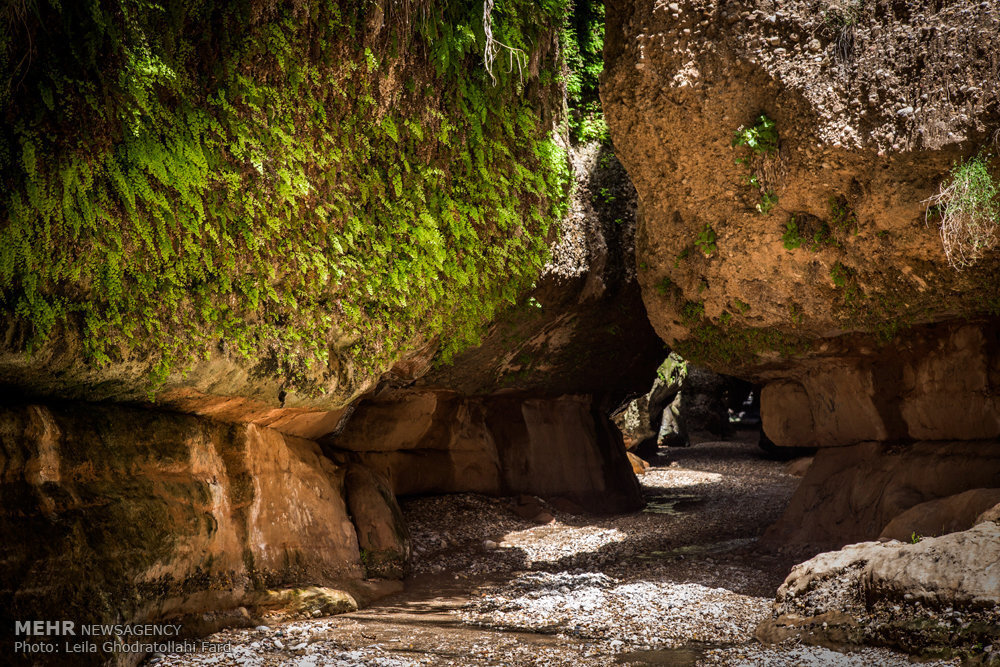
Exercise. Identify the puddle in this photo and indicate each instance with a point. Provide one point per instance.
(700, 549)
(664, 656)
(673, 503)
(689, 654)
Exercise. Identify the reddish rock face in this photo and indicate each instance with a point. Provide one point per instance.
(438, 442)
(933, 385)
(126, 515)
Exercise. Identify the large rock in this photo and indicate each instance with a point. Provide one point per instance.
(940, 596)
(388, 203)
(124, 515)
(437, 442)
(851, 494)
(866, 133)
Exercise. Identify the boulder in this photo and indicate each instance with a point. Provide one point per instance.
(783, 189)
(942, 515)
(309, 602)
(992, 514)
(937, 597)
(639, 466)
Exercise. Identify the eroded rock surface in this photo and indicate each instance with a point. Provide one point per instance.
(129, 515)
(943, 515)
(437, 442)
(932, 384)
(868, 120)
(851, 494)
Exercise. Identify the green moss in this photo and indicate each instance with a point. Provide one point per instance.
(692, 311)
(729, 345)
(840, 274)
(204, 174)
(665, 286)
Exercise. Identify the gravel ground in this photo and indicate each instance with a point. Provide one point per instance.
(681, 583)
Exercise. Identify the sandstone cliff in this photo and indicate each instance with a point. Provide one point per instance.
(784, 158)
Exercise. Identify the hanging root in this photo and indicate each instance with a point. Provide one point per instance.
(494, 48)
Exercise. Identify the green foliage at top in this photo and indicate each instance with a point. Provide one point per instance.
(278, 180)
(760, 138)
(583, 42)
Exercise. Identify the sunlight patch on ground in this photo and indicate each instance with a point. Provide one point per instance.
(669, 478)
(553, 542)
(640, 612)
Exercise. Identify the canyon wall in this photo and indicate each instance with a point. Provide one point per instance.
(785, 160)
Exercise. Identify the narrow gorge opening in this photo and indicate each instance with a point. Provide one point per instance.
(406, 332)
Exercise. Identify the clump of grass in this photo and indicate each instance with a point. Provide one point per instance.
(969, 211)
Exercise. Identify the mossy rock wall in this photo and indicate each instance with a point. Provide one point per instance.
(269, 200)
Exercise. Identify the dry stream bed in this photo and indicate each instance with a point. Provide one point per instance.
(682, 583)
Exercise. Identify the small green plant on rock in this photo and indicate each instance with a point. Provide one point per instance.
(842, 216)
(767, 202)
(839, 274)
(792, 238)
(664, 287)
(915, 538)
(969, 211)
(706, 241)
(761, 140)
